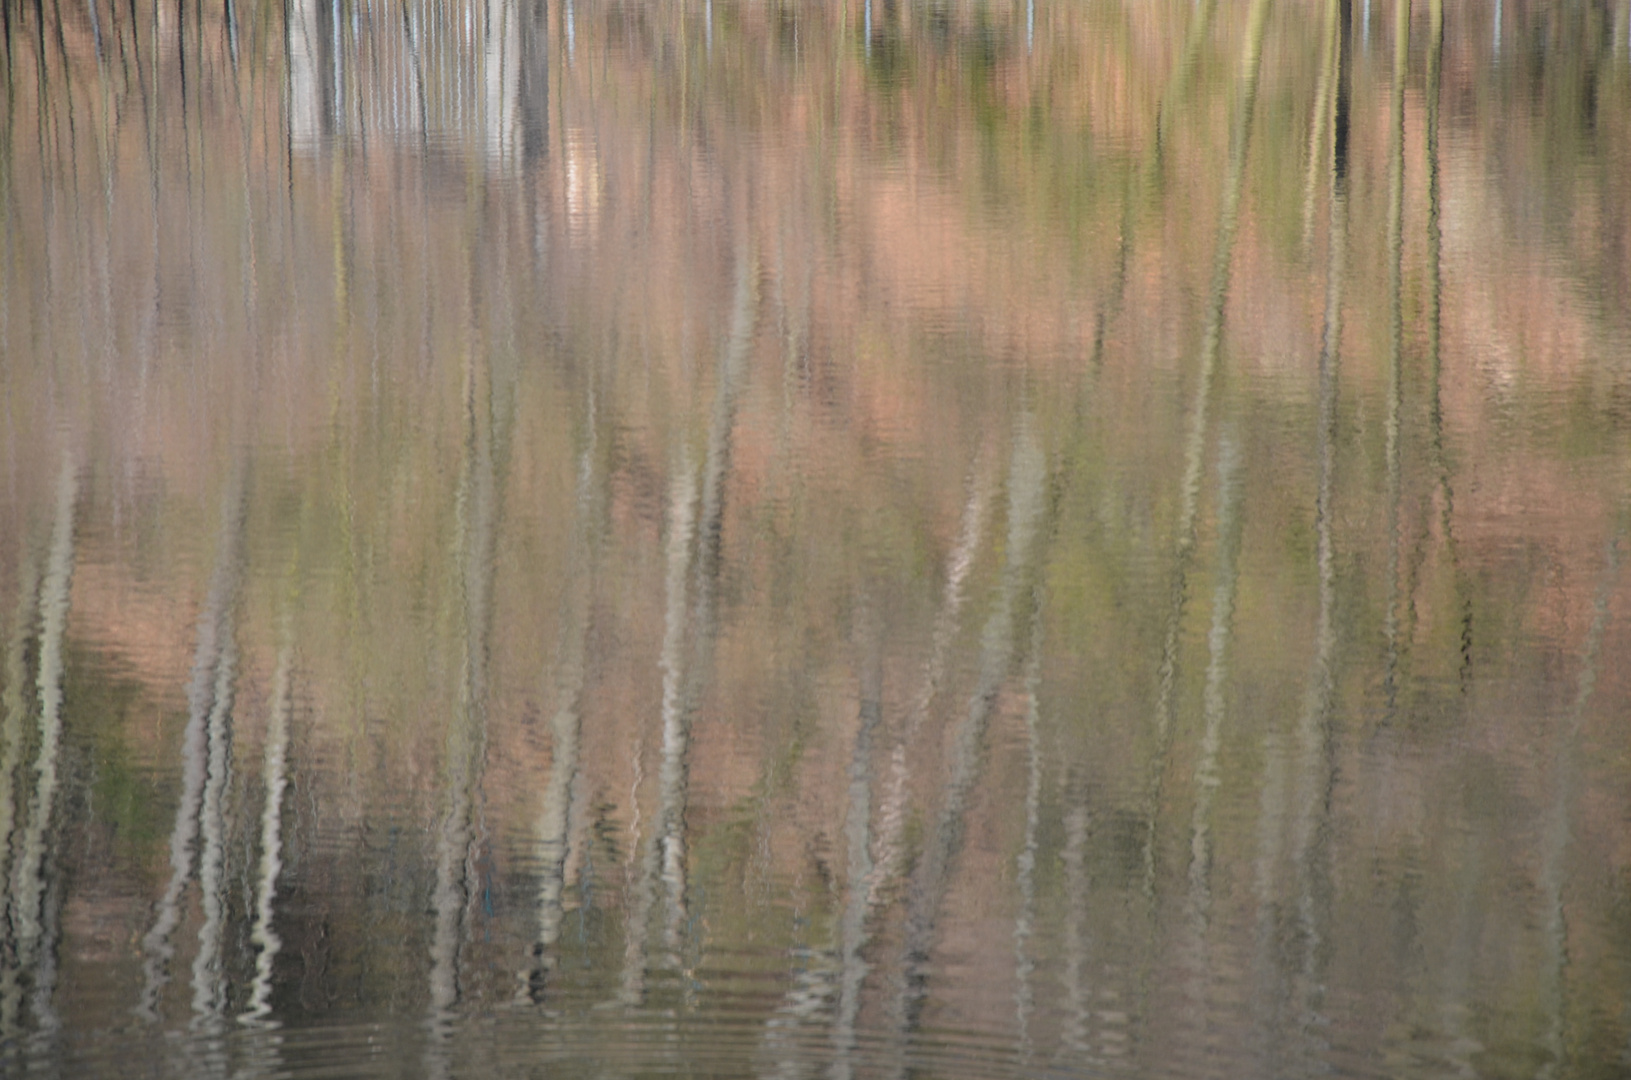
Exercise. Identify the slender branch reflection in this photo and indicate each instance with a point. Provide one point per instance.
(741, 499)
(556, 825)
(212, 670)
(1395, 376)
(680, 530)
(1195, 439)
(31, 912)
(1025, 868)
(1559, 823)
(1195, 945)
(1027, 503)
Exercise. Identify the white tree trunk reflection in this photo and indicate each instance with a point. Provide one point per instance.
(213, 670)
(30, 912)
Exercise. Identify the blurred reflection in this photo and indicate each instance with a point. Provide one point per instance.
(809, 540)
(1026, 505)
(488, 405)
(275, 781)
(561, 808)
(417, 73)
(1194, 948)
(16, 704)
(1395, 374)
(1194, 446)
(1024, 968)
(1559, 819)
(1297, 804)
(656, 869)
(876, 862)
(205, 760)
(33, 901)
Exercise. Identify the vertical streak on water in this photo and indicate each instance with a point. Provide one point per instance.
(506, 73)
(555, 820)
(29, 919)
(67, 69)
(1266, 892)
(105, 136)
(1462, 1049)
(1566, 784)
(1452, 998)
(1495, 44)
(861, 867)
(892, 810)
(417, 70)
(790, 323)
(533, 109)
(882, 859)
(231, 14)
(476, 512)
(431, 33)
(261, 1051)
(209, 985)
(214, 629)
(9, 56)
(1195, 442)
(1025, 864)
(336, 58)
(47, 129)
(96, 27)
(1435, 294)
(1027, 504)
(1315, 772)
(305, 92)
(716, 468)
(673, 780)
(481, 65)
(1395, 372)
(14, 703)
(8, 259)
(812, 987)
(391, 111)
(249, 259)
(275, 780)
(204, 761)
(1314, 775)
(1324, 103)
(1310, 743)
(1078, 994)
(867, 34)
(1195, 954)
(1172, 96)
(681, 529)
(361, 88)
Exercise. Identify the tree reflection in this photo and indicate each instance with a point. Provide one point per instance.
(1027, 502)
(562, 796)
(205, 761)
(817, 409)
(33, 900)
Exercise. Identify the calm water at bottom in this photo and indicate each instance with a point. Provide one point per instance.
(846, 539)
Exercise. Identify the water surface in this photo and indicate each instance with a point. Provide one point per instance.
(876, 538)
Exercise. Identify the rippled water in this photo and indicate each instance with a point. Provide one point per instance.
(871, 538)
